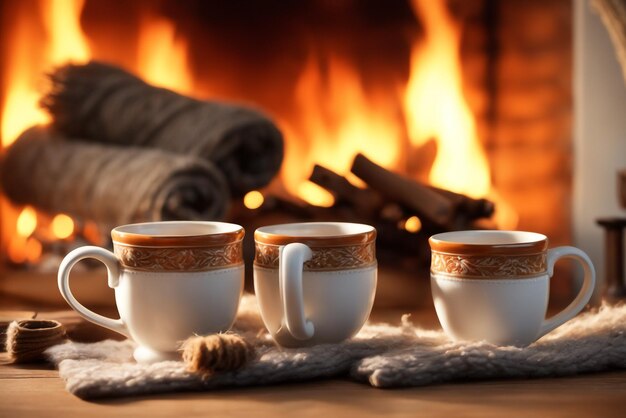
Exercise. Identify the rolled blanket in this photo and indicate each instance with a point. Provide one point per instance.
(110, 185)
(99, 102)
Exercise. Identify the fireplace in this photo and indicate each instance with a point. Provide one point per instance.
(469, 96)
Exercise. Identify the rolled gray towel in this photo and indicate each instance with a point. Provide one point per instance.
(103, 103)
(111, 185)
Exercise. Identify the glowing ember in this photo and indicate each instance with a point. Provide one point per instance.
(26, 222)
(33, 250)
(91, 232)
(62, 226)
(253, 199)
(413, 224)
(315, 194)
(23, 247)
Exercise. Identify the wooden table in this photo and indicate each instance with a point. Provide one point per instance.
(27, 391)
(34, 391)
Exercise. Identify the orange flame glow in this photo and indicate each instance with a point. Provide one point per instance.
(435, 106)
(162, 58)
(338, 120)
(61, 40)
(62, 226)
(19, 109)
(66, 39)
(23, 247)
(26, 222)
(335, 116)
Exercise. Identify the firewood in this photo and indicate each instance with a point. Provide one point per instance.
(425, 202)
(468, 207)
(367, 201)
(445, 208)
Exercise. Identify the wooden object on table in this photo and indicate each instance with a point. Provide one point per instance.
(77, 328)
(8, 316)
(28, 339)
(614, 256)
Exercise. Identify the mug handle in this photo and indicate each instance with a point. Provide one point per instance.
(291, 260)
(584, 294)
(113, 272)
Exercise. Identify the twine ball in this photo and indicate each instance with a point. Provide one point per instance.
(28, 339)
(216, 353)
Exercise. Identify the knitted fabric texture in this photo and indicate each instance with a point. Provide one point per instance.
(382, 355)
(110, 185)
(97, 102)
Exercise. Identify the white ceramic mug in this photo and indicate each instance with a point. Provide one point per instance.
(315, 282)
(171, 280)
(494, 285)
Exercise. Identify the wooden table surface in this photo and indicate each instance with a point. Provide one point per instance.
(34, 391)
(27, 391)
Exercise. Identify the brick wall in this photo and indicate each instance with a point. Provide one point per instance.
(517, 61)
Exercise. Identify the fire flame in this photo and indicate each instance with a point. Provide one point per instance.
(63, 41)
(338, 119)
(161, 60)
(23, 247)
(62, 226)
(435, 106)
(162, 57)
(334, 117)
(26, 222)
(61, 19)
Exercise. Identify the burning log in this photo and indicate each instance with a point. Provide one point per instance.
(424, 201)
(444, 208)
(110, 185)
(367, 201)
(102, 103)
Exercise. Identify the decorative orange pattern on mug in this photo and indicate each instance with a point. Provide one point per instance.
(489, 266)
(179, 259)
(324, 258)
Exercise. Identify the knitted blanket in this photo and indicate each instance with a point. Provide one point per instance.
(381, 355)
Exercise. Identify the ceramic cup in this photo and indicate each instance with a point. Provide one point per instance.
(315, 282)
(171, 280)
(494, 285)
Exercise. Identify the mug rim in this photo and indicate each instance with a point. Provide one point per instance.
(272, 234)
(488, 242)
(210, 233)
